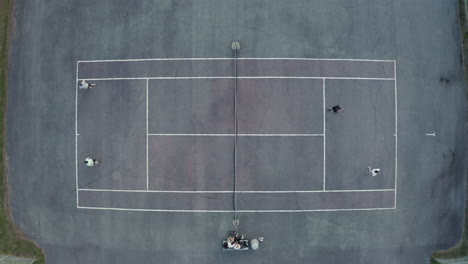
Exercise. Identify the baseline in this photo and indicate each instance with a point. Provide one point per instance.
(231, 211)
(176, 59)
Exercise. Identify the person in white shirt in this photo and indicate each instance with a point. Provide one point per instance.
(90, 162)
(85, 85)
(231, 242)
(373, 171)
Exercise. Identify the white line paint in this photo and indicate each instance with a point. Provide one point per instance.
(165, 191)
(122, 78)
(231, 77)
(280, 135)
(159, 78)
(317, 59)
(396, 136)
(193, 135)
(199, 59)
(430, 134)
(240, 135)
(230, 211)
(324, 136)
(316, 77)
(32, 261)
(76, 132)
(147, 160)
(156, 59)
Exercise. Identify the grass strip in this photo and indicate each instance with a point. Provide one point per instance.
(12, 241)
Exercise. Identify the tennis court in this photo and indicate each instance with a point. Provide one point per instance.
(165, 132)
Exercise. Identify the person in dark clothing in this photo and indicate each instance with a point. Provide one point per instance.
(335, 109)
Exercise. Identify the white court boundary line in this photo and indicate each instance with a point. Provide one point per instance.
(240, 77)
(165, 191)
(396, 137)
(230, 211)
(147, 135)
(324, 136)
(230, 77)
(76, 133)
(197, 59)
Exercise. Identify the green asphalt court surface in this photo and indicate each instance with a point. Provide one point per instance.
(161, 121)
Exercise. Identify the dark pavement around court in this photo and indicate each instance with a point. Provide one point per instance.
(422, 36)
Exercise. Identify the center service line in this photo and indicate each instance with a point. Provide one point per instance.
(240, 135)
